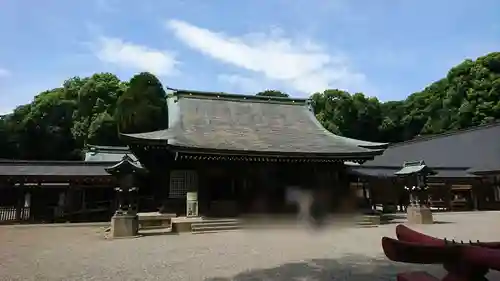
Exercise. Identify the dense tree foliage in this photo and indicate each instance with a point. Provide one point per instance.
(468, 96)
(142, 108)
(58, 123)
(272, 93)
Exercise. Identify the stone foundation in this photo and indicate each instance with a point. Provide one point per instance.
(419, 215)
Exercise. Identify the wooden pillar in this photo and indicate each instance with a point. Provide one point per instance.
(164, 178)
(474, 194)
(84, 193)
(449, 196)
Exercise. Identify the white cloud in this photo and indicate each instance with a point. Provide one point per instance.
(300, 65)
(4, 72)
(133, 56)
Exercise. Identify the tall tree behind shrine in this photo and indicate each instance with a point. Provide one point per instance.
(96, 101)
(468, 96)
(143, 106)
(59, 122)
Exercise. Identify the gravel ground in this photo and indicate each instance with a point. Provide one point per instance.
(80, 253)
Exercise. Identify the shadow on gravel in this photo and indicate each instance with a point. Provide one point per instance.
(355, 268)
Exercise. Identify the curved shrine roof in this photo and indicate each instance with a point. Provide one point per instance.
(270, 125)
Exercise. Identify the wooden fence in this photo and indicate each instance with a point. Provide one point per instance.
(9, 214)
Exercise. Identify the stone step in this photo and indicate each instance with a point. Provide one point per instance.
(215, 225)
(216, 221)
(215, 228)
(214, 231)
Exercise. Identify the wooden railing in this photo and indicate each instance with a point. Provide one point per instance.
(9, 214)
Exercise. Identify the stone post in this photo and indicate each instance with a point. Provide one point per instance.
(418, 212)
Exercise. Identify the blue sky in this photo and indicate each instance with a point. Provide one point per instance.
(384, 48)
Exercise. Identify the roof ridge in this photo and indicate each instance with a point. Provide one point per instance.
(235, 97)
(108, 149)
(365, 166)
(448, 133)
(112, 147)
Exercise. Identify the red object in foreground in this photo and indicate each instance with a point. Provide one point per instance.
(404, 233)
(463, 261)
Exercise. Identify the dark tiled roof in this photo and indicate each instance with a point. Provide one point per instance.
(484, 170)
(473, 148)
(382, 172)
(53, 168)
(452, 173)
(114, 154)
(389, 171)
(217, 121)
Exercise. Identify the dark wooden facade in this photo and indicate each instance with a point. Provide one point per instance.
(250, 185)
(56, 191)
(445, 194)
(466, 162)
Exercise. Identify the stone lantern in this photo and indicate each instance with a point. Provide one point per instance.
(415, 176)
(124, 222)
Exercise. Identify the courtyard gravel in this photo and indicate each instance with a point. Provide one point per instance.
(333, 253)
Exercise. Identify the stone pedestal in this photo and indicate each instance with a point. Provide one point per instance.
(419, 215)
(124, 225)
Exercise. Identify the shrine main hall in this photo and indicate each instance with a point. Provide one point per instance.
(236, 154)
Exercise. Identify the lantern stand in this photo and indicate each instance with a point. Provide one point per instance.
(415, 176)
(125, 222)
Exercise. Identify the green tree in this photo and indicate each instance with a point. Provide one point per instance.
(98, 94)
(273, 93)
(355, 116)
(59, 122)
(103, 130)
(143, 107)
(469, 95)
